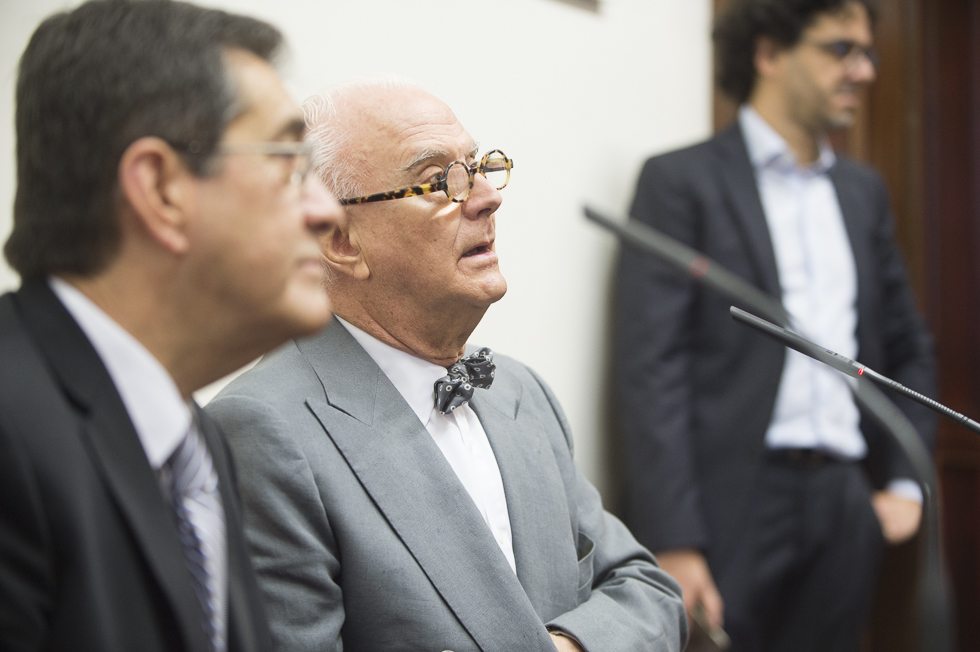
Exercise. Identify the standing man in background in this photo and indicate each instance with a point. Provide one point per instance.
(751, 474)
(165, 236)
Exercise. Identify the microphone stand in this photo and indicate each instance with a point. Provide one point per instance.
(933, 612)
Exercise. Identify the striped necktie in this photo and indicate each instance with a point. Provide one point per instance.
(190, 482)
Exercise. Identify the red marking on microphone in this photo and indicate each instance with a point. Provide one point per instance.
(860, 372)
(699, 267)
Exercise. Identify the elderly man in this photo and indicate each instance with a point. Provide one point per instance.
(395, 505)
(165, 236)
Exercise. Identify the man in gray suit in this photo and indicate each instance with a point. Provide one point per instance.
(386, 514)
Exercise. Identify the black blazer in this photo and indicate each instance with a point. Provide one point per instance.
(89, 553)
(696, 390)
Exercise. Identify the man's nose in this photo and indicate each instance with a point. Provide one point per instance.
(320, 208)
(864, 70)
(484, 199)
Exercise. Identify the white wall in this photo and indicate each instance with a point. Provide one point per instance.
(578, 100)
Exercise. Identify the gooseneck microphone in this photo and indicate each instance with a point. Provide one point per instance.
(933, 611)
(693, 263)
(845, 365)
(700, 268)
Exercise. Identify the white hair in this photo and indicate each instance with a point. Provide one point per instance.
(330, 132)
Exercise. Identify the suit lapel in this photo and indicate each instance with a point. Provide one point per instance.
(415, 488)
(854, 209)
(116, 449)
(241, 635)
(743, 199)
(546, 558)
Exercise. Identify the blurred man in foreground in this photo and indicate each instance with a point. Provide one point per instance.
(396, 499)
(752, 476)
(165, 236)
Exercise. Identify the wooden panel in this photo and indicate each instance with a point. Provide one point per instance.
(892, 128)
(723, 107)
(887, 135)
(951, 55)
(960, 477)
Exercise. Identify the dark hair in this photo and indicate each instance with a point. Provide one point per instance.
(91, 82)
(738, 29)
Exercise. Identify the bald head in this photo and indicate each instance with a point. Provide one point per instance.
(353, 125)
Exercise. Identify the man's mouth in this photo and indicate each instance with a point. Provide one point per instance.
(476, 251)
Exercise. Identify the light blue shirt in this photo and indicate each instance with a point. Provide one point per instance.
(818, 280)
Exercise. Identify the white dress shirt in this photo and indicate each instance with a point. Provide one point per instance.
(158, 412)
(818, 280)
(459, 434)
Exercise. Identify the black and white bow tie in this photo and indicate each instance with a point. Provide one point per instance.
(456, 388)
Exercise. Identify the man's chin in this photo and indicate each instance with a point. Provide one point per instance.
(499, 295)
(499, 289)
(843, 119)
(489, 292)
(308, 311)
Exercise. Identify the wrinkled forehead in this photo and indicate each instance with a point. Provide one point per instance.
(400, 129)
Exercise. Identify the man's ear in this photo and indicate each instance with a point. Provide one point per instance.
(156, 186)
(767, 56)
(342, 251)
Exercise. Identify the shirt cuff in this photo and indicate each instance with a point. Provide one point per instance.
(905, 488)
(558, 631)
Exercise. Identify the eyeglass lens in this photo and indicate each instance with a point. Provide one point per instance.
(459, 176)
(458, 181)
(496, 169)
(301, 167)
(851, 53)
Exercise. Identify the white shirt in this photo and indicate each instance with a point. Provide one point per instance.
(159, 414)
(459, 434)
(818, 280)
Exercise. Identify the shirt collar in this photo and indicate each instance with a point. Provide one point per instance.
(159, 414)
(767, 149)
(413, 377)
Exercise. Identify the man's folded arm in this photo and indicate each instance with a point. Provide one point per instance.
(633, 605)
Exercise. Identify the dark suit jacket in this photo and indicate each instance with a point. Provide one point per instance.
(697, 390)
(89, 554)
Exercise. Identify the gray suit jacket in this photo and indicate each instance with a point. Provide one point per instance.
(364, 538)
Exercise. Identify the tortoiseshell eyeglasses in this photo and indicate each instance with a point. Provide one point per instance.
(456, 181)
